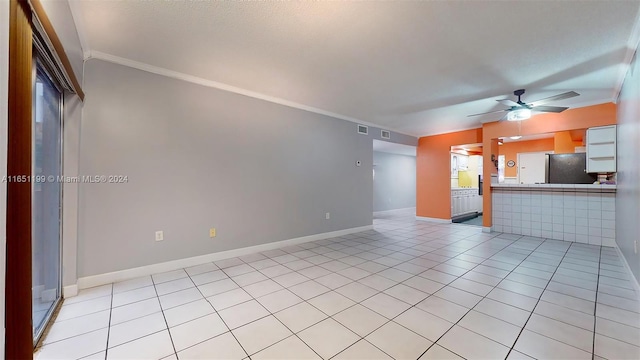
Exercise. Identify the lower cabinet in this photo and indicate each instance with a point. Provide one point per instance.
(464, 201)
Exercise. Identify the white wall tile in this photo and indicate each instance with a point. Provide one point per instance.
(608, 224)
(582, 238)
(609, 215)
(569, 216)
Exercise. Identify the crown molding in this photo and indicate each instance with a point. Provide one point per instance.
(225, 87)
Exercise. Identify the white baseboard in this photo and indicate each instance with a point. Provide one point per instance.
(636, 285)
(387, 212)
(486, 229)
(70, 291)
(121, 275)
(435, 220)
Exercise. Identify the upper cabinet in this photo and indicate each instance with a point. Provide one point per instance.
(601, 149)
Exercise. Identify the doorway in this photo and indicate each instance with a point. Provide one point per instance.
(394, 179)
(466, 184)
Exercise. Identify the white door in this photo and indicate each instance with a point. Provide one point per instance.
(531, 168)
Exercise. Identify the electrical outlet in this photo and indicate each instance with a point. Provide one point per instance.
(327, 216)
(159, 235)
(212, 232)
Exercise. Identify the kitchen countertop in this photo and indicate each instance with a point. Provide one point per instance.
(562, 187)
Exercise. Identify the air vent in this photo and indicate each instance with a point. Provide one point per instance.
(362, 129)
(385, 134)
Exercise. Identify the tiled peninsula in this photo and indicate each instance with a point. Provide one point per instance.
(580, 213)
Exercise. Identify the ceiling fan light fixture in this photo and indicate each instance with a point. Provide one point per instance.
(519, 114)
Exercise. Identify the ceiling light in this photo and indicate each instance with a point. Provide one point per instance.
(515, 137)
(519, 114)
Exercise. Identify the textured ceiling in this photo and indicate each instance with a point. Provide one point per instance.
(414, 67)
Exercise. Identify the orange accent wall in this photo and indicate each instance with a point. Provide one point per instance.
(579, 118)
(433, 183)
(510, 151)
(564, 144)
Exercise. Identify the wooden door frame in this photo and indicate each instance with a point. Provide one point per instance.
(18, 302)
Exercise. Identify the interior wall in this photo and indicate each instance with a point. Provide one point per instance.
(197, 157)
(510, 151)
(61, 19)
(394, 183)
(564, 144)
(71, 134)
(4, 95)
(433, 171)
(628, 176)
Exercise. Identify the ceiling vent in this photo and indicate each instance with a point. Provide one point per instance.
(362, 129)
(385, 134)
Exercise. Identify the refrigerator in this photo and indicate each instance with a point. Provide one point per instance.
(568, 169)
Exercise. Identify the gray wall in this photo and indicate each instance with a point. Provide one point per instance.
(60, 15)
(628, 193)
(394, 185)
(395, 137)
(198, 157)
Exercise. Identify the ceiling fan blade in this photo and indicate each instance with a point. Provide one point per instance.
(490, 112)
(507, 102)
(567, 95)
(553, 109)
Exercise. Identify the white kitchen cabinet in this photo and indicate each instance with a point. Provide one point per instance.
(601, 149)
(465, 201)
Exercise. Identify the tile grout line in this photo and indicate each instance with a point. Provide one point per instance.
(538, 301)
(106, 350)
(270, 314)
(215, 311)
(352, 281)
(163, 316)
(484, 297)
(430, 295)
(595, 310)
(433, 294)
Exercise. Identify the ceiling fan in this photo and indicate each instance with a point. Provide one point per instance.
(520, 110)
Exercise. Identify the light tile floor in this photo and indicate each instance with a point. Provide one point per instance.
(405, 290)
